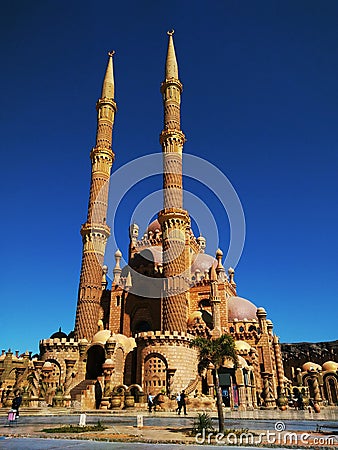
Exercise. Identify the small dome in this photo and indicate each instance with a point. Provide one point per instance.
(47, 366)
(202, 262)
(108, 361)
(219, 252)
(240, 308)
(154, 226)
(310, 366)
(242, 346)
(118, 253)
(59, 335)
(101, 336)
(330, 366)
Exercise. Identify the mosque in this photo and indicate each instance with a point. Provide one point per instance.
(133, 337)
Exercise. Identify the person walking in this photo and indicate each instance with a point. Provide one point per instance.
(17, 400)
(178, 399)
(182, 404)
(150, 402)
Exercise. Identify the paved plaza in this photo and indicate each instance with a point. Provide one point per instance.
(165, 428)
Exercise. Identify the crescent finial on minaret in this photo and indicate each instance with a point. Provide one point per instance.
(111, 53)
(170, 32)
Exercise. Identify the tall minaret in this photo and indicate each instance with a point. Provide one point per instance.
(174, 220)
(95, 231)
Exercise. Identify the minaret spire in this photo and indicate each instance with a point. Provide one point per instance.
(171, 66)
(95, 231)
(108, 86)
(174, 220)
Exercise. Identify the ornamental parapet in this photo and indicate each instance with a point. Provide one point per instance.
(95, 230)
(171, 82)
(57, 345)
(172, 134)
(171, 216)
(166, 336)
(146, 242)
(104, 102)
(102, 151)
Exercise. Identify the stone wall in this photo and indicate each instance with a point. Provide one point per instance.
(297, 354)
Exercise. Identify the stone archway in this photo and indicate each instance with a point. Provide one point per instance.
(95, 358)
(331, 387)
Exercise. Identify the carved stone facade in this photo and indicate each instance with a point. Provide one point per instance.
(133, 337)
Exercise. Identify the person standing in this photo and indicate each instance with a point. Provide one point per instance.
(17, 400)
(150, 402)
(182, 404)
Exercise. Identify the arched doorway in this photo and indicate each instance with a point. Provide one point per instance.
(155, 374)
(95, 358)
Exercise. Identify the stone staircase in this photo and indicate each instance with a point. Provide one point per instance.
(193, 384)
(80, 389)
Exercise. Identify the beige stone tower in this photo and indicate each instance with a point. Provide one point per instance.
(95, 231)
(174, 220)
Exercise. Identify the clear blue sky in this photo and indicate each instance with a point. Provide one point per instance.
(260, 102)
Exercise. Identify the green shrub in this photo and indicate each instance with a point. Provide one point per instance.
(202, 422)
(76, 428)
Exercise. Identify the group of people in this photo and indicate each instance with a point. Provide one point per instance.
(181, 403)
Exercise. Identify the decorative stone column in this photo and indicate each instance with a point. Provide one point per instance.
(81, 367)
(249, 389)
(269, 401)
(321, 383)
(210, 380)
(70, 363)
(45, 395)
(241, 389)
(1, 389)
(279, 364)
(316, 389)
(108, 369)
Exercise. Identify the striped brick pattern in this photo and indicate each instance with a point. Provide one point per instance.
(95, 232)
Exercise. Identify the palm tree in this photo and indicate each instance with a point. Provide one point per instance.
(214, 351)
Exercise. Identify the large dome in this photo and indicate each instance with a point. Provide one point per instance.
(202, 262)
(240, 308)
